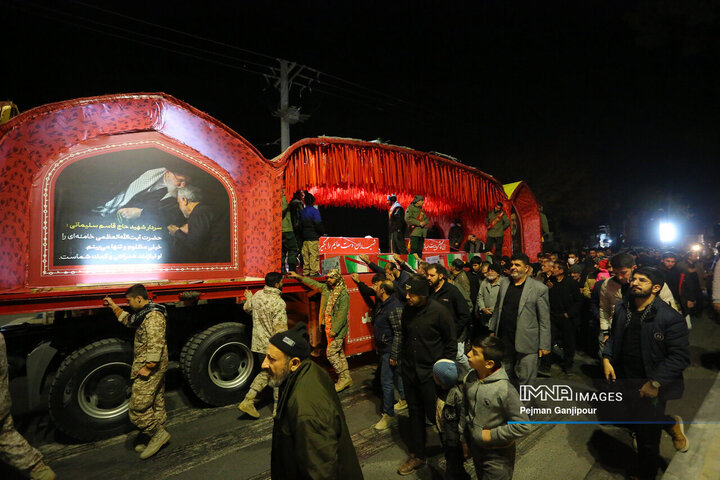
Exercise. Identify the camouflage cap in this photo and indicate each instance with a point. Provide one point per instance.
(334, 274)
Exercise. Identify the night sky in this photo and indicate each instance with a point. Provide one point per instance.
(608, 109)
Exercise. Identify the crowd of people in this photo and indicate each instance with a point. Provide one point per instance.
(454, 345)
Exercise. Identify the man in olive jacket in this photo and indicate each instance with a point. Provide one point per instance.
(334, 308)
(497, 222)
(417, 221)
(310, 438)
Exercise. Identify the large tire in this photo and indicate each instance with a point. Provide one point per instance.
(90, 394)
(218, 364)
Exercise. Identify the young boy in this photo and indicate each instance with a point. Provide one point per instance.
(449, 413)
(490, 403)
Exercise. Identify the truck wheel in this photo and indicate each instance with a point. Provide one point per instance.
(218, 364)
(90, 394)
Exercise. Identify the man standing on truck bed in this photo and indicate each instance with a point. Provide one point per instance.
(289, 242)
(269, 316)
(147, 401)
(417, 221)
(496, 223)
(14, 449)
(334, 308)
(312, 230)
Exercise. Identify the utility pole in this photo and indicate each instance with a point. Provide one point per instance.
(284, 103)
(288, 115)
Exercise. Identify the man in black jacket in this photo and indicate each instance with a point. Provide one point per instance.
(312, 230)
(428, 334)
(456, 235)
(450, 296)
(475, 276)
(672, 274)
(648, 349)
(310, 436)
(565, 304)
(205, 238)
(396, 226)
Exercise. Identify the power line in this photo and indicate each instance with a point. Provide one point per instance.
(252, 52)
(142, 42)
(307, 82)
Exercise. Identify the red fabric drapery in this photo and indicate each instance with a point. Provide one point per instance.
(352, 173)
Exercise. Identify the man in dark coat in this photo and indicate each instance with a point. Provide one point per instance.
(648, 349)
(565, 304)
(451, 298)
(428, 334)
(672, 275)
(456, 235)
(310, 437)
(205, 238)
(396, 226)
(312, 230)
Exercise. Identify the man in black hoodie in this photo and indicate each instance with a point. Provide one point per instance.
(450, 296)
(428, 334)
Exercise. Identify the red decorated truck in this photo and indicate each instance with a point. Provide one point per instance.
(87, 192)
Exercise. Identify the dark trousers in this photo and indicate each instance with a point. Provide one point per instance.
(651, 410)
(564, 332)
(397, 243)
(494, 245)
(450, 436)
(289, 251)
(416, 245)
(455, 468)
(421, 399)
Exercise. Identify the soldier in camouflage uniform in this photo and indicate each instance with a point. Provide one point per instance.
(147, 401)
(14, 449)
(334, 308)
(269, 316)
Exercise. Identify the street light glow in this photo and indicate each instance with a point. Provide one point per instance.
(668, 232)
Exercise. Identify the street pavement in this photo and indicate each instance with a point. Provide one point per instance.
(219, 443)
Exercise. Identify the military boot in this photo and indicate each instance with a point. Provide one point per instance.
(42, 472)
(160, 438)
(344, 381)
(248, 406)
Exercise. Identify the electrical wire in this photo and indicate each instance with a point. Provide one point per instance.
(365, 99)
(252, 52)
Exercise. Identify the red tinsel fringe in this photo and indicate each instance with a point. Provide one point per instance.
(361, 174)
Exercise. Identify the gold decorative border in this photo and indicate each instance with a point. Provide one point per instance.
(48, 270)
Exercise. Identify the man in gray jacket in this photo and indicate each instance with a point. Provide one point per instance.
(522, 320)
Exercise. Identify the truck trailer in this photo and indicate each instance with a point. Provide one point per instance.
(87, 192)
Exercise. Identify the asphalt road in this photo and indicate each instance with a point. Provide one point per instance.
(218, 443)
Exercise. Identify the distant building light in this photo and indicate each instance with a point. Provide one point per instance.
(668, 232)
